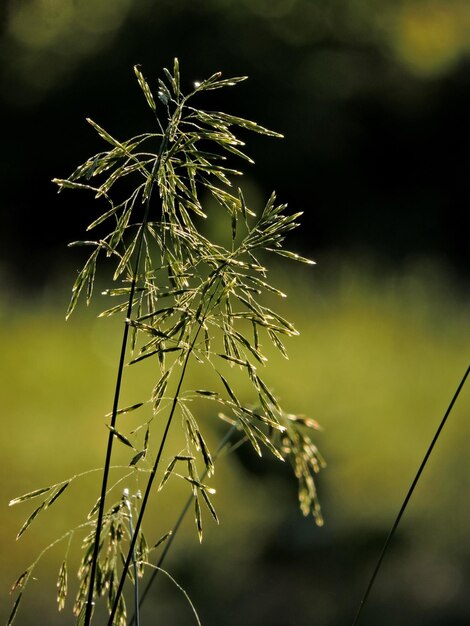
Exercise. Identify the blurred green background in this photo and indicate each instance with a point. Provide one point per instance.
(373, 100)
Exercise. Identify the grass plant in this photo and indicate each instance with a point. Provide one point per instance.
(187, 302)
(193, 308)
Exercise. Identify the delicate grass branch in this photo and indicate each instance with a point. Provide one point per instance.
(168, 540)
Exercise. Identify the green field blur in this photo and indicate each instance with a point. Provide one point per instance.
(377, 362)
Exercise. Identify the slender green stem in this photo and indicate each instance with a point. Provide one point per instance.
(117, 392)
(149, 486)
(134, 562)
(156, 464)
(109, 448)
(408, 497)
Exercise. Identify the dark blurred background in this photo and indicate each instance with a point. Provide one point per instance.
(373, 98)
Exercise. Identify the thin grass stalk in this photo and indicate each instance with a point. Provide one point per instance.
(134, 562)
(407, 498)
(175, 529)
(155, 466)
(148, 488)
(117, 392)
(109, 449)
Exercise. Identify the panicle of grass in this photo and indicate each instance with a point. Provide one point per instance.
(181, 295)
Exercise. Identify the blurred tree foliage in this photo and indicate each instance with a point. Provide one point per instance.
(46, 41)
(372, 96)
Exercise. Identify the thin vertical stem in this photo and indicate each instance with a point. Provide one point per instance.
(156, 464)
(134, 562)
(117, 392)
(147, 491)
(109, 449)
(408, 497)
